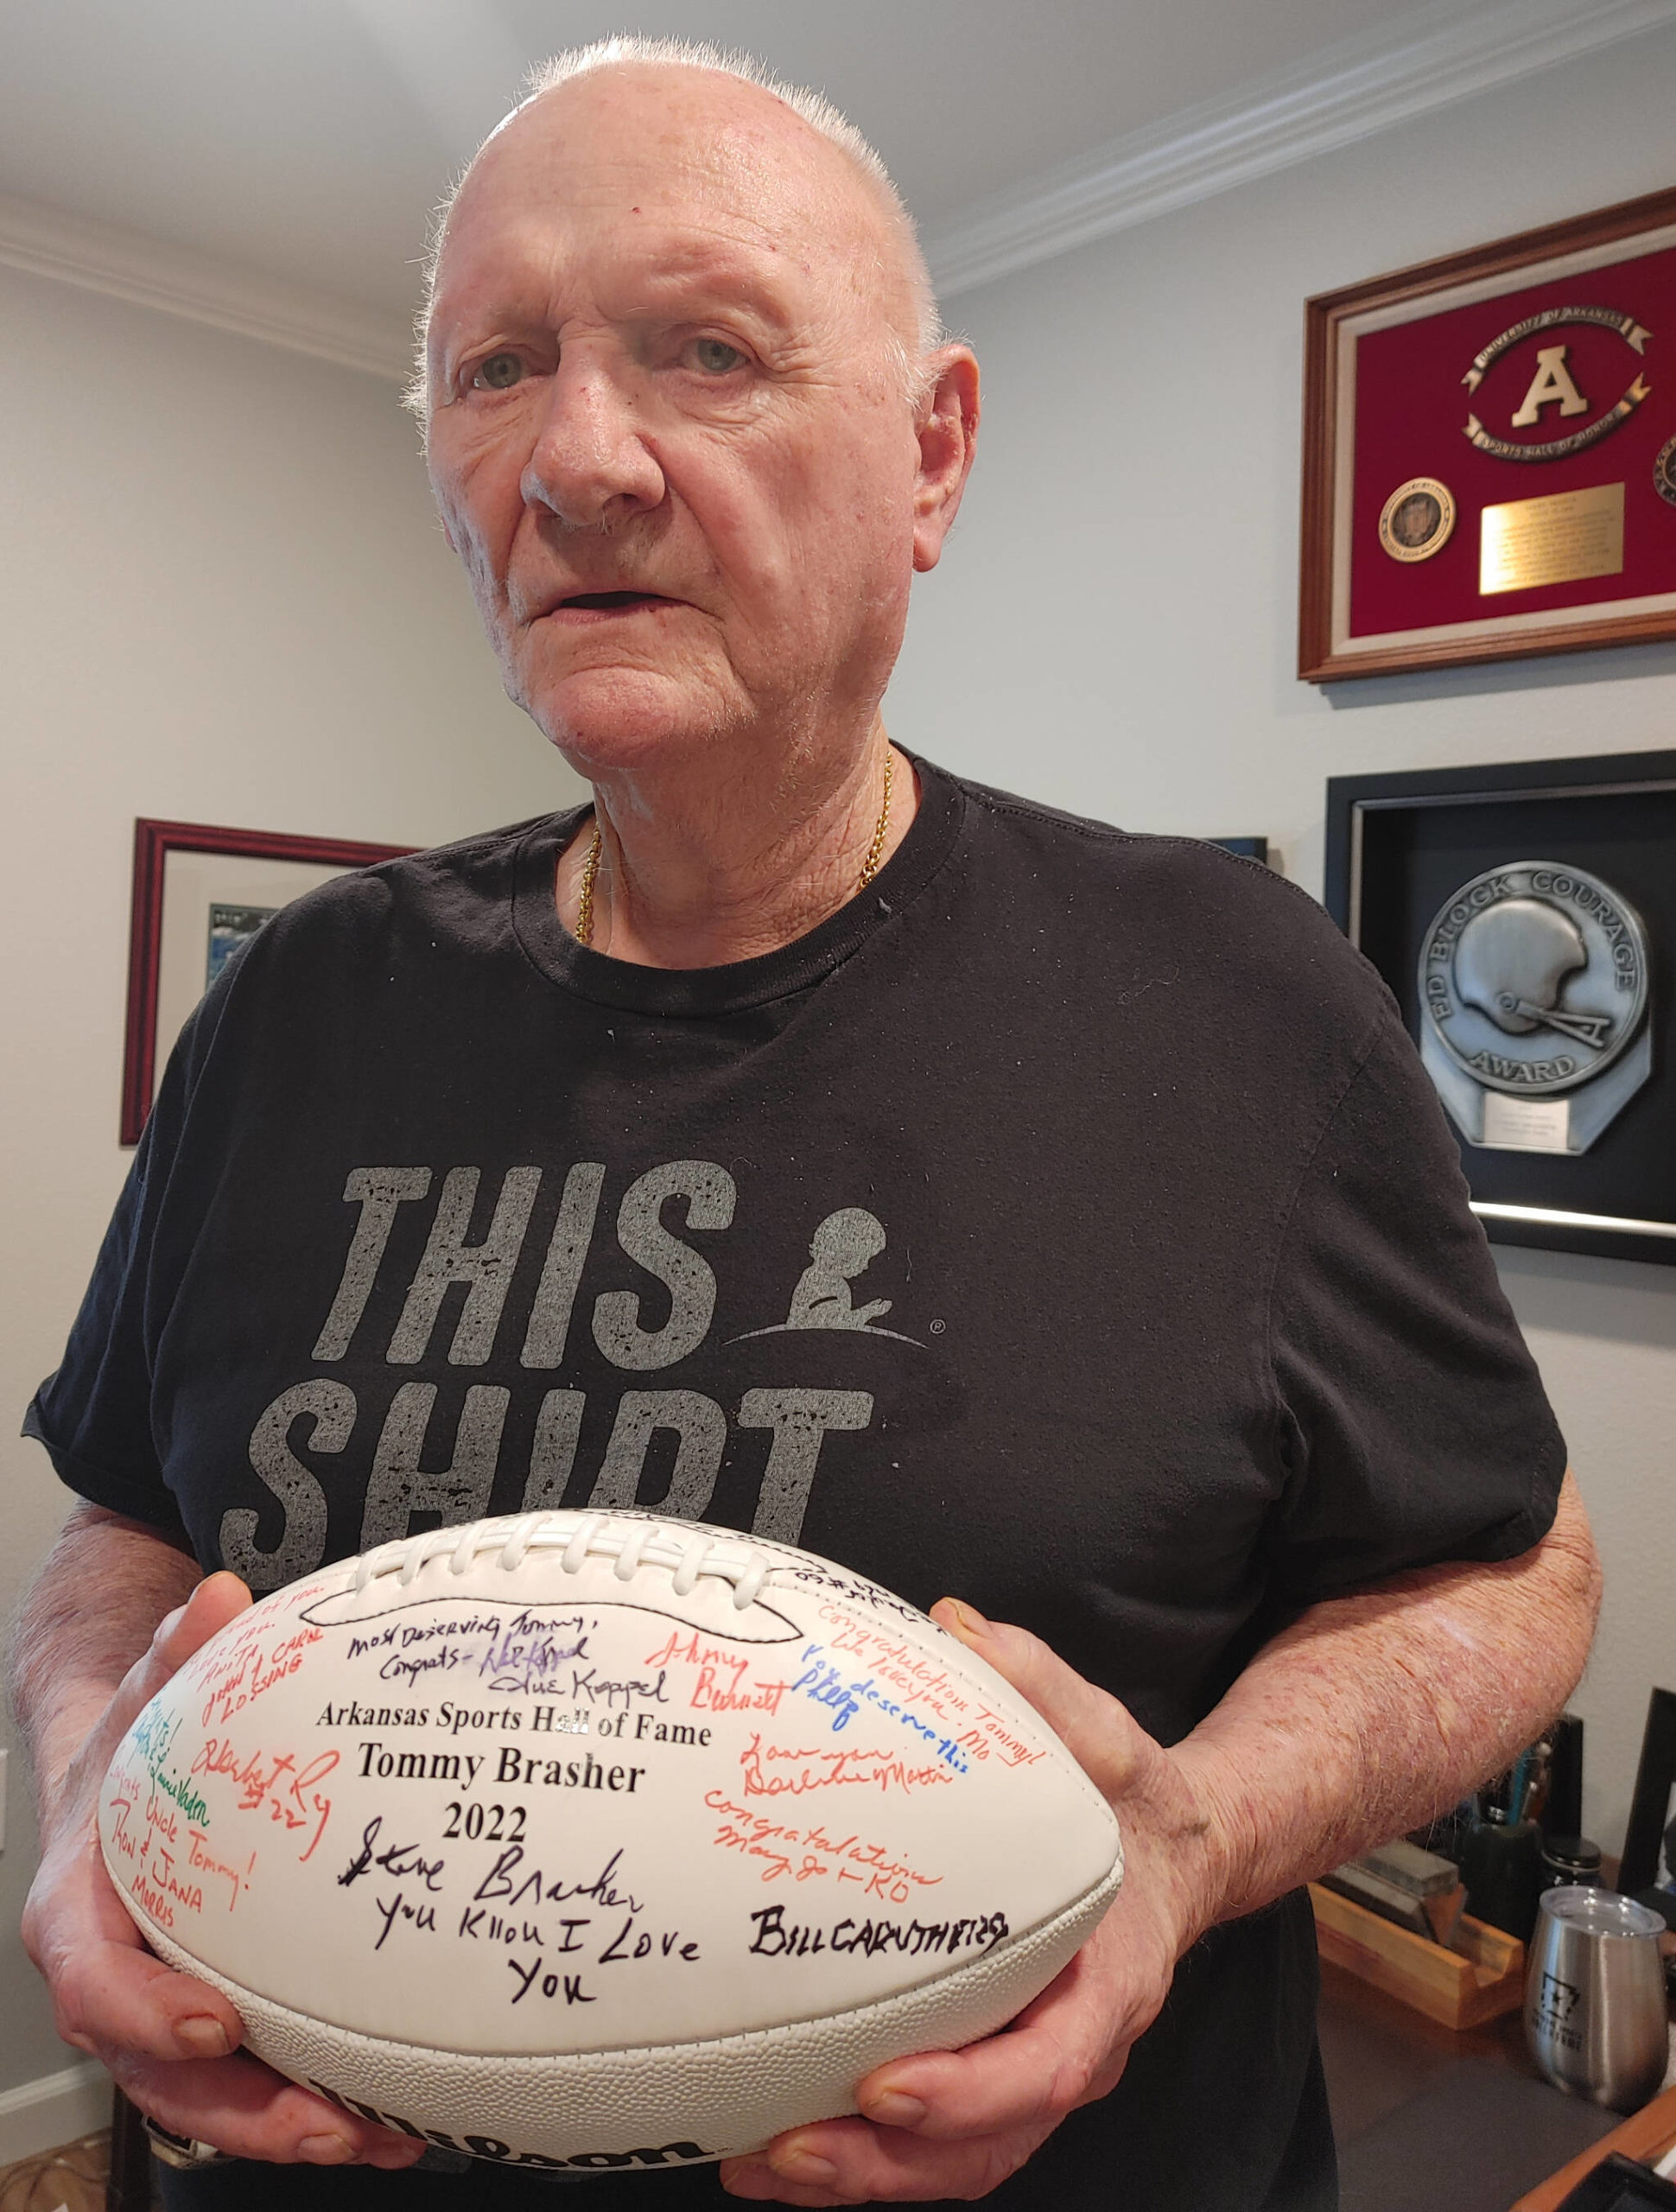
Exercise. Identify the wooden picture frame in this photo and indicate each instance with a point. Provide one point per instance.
(1500, 531)
(241, 875)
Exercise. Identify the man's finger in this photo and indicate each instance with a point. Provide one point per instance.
(1030, 2075)
(107, 1987)
(757, 2183)
(848, 2162)
(1094, 1727)
(218, 1600)
(111, 1993)
(245, 2109)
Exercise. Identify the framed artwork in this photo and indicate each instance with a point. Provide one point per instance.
(1524, 915)
(1489, 451)
(200, 892)
(1649, 1843)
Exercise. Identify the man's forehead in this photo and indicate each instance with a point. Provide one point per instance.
(528, 270)
(682, 150)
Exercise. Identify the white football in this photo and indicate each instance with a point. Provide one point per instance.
(595, 1840)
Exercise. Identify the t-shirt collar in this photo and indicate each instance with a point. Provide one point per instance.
(742, 983)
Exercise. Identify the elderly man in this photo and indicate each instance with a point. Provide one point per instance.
(811, 1142)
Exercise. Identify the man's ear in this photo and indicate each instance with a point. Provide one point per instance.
(948, 433)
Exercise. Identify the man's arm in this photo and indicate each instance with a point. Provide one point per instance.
(88, 1616)
(1364, 1718)
(1375, 1711)
(111, 1615)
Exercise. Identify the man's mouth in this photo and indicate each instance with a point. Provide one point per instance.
(611, 602)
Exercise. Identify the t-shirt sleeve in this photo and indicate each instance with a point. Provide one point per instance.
(1413, 1428)
(94, 1414)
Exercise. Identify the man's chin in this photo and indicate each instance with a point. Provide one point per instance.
(608, 719)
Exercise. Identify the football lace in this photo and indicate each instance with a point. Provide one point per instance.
(689, 1552)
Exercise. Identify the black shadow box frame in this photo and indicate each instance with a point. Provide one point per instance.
(1399, 845)
(1650, 1810)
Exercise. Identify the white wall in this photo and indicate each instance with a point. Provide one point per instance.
(1113, 629)
(224, 598)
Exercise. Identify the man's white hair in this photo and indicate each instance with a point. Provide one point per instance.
(910, 346)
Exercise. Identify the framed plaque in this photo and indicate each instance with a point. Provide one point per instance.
(1649, 1846)
(1525, 918)
(1489, 452)
(199, 891)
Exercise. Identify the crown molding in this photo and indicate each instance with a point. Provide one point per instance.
(127, 265)
(1344, 91)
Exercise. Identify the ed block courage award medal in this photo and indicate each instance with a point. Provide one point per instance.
(1533, 993)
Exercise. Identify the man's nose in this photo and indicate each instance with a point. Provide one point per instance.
(590, 466)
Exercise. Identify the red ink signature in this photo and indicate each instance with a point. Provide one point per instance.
(823, 1767)
(803, 1852)
(252, 1666)
(290, 1797)
(723, 1684)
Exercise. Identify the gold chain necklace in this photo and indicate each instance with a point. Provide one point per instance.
(585, 907)
(876, 850)
(591, 865)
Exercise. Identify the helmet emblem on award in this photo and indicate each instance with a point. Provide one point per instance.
(1534, 987)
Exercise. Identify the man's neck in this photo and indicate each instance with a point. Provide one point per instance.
(730, 878)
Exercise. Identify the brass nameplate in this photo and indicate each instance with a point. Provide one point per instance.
(1556, 540)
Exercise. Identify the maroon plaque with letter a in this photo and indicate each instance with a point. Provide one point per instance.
(1490, 452)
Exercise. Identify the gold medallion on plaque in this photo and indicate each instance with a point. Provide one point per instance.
(1417, 519)
(1664, 473)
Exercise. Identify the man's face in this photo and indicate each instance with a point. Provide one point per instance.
(667, 432)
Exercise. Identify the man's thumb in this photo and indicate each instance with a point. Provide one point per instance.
(217, 1600)
(1094, 1727)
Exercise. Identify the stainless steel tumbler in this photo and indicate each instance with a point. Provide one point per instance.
(1595, 2010)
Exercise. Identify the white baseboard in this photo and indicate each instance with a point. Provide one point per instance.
(38, 2116)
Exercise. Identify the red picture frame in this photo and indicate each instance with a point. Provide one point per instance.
(154, 841)
(1413, 385)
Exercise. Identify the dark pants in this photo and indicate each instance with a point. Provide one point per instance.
(460, 2185)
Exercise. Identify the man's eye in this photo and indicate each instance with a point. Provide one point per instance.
(715, 356)
(497, 372)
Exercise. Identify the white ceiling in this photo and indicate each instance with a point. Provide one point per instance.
(306, 140)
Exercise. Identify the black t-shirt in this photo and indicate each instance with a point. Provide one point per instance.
(1066, 1224)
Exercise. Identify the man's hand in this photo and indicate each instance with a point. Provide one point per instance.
(955, 2124)
(167, 2039)
(1359, 1718)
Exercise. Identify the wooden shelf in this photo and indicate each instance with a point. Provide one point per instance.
(1480, 1978)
